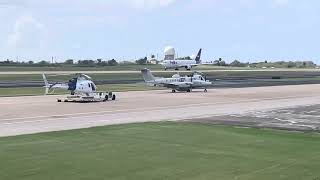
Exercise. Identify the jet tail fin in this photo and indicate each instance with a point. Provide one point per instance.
(147, 75)
(46, 83)
(45, 79)
(198, 58)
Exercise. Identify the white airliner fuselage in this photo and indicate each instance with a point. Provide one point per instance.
(176, 64)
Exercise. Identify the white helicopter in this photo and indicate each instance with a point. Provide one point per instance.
(82, 89)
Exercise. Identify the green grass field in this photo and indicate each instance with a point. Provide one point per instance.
(122, 78)
(138, 77)
(121, 67)
(162, 151)
(133, 67)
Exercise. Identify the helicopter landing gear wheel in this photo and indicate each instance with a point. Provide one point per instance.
(189, 90)
(205, 90)
(173, 91)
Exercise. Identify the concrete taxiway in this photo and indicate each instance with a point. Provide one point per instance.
(33, 114)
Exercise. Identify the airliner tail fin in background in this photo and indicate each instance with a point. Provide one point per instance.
(198, 58)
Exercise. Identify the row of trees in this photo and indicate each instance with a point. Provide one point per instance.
(266, 64)
(98, 62)
(142, 61)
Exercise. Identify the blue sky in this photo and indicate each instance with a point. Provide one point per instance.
(249, 30)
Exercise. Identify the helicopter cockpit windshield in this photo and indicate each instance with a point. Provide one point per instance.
(72, 84)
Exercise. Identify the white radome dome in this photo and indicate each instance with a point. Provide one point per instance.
(169, 51)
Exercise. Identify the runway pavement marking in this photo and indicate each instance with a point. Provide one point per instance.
(100, 113)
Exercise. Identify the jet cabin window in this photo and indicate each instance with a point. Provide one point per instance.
(181, 79)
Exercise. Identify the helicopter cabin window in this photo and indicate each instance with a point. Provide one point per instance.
(93, 87)
(89, 85)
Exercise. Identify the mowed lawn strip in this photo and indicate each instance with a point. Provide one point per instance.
(163, 150)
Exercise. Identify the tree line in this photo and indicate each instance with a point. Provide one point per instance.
(144, 60)
(72, 62)
(266, 64)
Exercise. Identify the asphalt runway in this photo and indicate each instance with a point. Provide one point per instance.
(218, 83)
(301, 118)
(34, 114)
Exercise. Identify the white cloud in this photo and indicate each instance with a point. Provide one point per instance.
(97, 10)
(24, 26)
(72, 4)
(150, 4)
(281, 2)
(8, 3)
